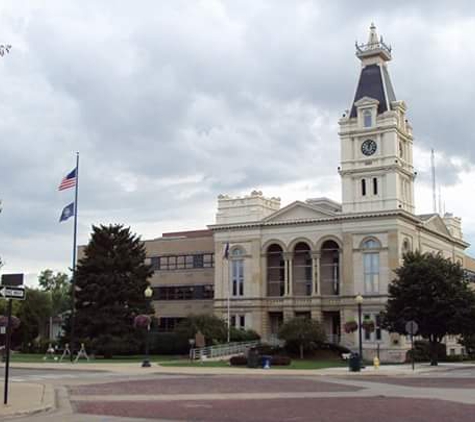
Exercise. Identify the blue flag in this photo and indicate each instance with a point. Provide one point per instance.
(68, 211)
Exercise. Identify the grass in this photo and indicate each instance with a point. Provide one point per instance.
(38, 358)
(296, 364)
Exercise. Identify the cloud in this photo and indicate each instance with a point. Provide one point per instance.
(172, 103)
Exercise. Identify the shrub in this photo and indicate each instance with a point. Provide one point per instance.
(280, 360)
(108, 345)
(422, 351)
(267, 349)
(337, 348)
(168, 344)
(213, 328)
(243, 335)
(239, 360)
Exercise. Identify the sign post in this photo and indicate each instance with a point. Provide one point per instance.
(10, 292)
(411, 328)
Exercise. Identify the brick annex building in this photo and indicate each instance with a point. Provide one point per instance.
(311, 258)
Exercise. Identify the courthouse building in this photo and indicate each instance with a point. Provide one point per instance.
(313, 257)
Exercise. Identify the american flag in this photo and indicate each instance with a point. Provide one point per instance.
(69, 181)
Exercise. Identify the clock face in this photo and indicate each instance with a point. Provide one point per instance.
(368, 147)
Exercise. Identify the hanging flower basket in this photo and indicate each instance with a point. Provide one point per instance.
(350, 326)
(4, 321)
(368, 325)
(142, 321)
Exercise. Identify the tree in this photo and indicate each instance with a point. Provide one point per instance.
(302, 333)
(110, 281)
(432, 291)
(214, 329)
(59, 288)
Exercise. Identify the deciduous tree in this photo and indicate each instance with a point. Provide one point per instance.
(432, 291)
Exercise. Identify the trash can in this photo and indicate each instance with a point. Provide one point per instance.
(266, 361)
(252, 358)
(354, 362)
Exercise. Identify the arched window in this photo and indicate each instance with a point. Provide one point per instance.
(275, 271)
(363, 187)
(375, 185)
(371, 265)
(367, 120)
(330, 268)
(406, 246)
(237, 272)
(302, 270)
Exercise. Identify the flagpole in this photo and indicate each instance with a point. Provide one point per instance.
(229, 302)
(73, 284)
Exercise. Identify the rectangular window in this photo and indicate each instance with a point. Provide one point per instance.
(367, 119)
(375, 186)
(367, 334)
(233, 320)
(189, 261)
(237, 276)
(371, 272)
(242, 321)
(180, 262)
(378, 332)
(155, 261)
(198, 261)
(363, 187)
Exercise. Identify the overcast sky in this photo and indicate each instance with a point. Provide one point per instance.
(171, 103)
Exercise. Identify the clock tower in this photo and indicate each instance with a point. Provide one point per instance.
(376, 170)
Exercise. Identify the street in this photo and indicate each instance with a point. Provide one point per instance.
(435, 396)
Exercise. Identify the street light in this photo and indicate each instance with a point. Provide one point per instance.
(359, 301)
(148, 293)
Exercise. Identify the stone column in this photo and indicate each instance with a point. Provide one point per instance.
(286, 277)
(340, 272)
(316, 290)
(288, 257)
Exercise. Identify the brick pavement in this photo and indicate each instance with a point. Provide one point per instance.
(282, 410)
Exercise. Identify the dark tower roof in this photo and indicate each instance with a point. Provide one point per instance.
(374, 79)
(375, 83)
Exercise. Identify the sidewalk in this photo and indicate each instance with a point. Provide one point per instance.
(26, 398)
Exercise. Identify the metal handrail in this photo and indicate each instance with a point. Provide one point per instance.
(221, 350)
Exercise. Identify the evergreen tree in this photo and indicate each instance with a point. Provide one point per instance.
(432, 291)
(110, 281)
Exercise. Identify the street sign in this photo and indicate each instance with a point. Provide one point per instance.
(17, 293)
(12, 280)
(411, 327)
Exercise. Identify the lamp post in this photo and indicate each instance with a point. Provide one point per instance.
(359, 301)
(148, 293)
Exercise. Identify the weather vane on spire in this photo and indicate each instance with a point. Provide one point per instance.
(4, 48)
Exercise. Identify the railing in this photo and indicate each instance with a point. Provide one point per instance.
(221, 350)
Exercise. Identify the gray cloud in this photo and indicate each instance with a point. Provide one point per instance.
(171, 103)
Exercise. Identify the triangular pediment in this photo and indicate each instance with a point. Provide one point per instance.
(298, 211)
(366, 101)
(436, 223)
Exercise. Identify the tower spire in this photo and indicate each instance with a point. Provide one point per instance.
(373, 36)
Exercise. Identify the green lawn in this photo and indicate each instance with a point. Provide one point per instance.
(296, 364)
(36, 357)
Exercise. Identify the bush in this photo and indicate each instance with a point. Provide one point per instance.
(422, 352)
(239, 360)
(239, 335)
(213, 328)
(168, 344)
(108, 345)
(278, 360)
(337, 348)
(267, 349)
